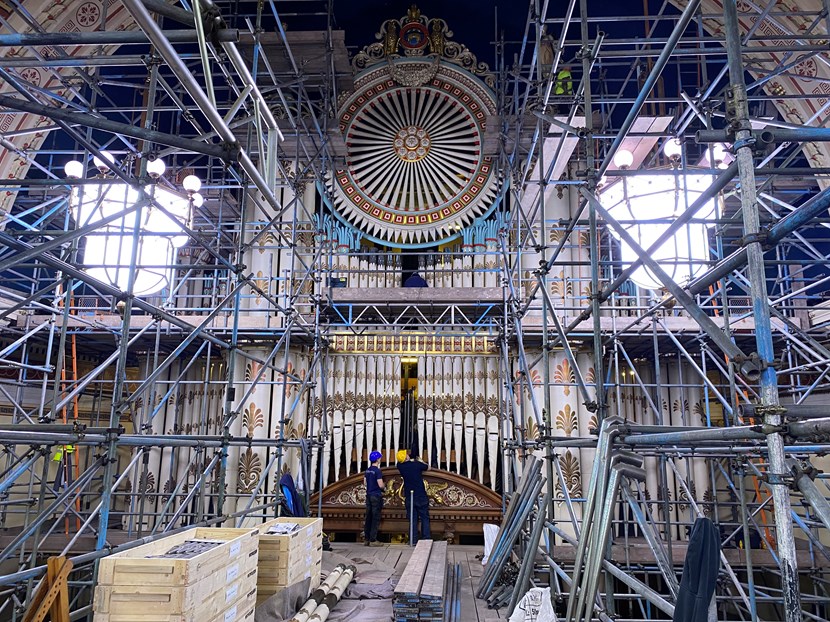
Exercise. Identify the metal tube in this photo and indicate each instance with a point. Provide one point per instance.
(188, 81)
(695, 312)
(763, 331)
(530, 554)
(596, 551)
(800, 411)
(20, 470)
(768, 136)
(45, 514)
(107, 289)
(645, 90)
(124, 129)
(690, 437)
(611, 427)
(109, 37)
(811, 493)
(811, 209)
(638, 587)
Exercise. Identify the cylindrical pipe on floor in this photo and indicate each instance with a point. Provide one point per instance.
(331, 599)
(318, 595)
(529, 560)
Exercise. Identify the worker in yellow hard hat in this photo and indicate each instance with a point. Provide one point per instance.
(415, 495)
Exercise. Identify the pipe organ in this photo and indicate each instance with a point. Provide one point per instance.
(456, 407)
(460, 407)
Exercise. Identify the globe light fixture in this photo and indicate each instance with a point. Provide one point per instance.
(74, 169)
(720, 153)
(191, 184)
(156, 168)
(646, 205)
(103, 165)
(108, 250)
(673, 150)
(198, 199)
(623, 159)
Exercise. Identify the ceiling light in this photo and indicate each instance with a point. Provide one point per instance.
(673, 149)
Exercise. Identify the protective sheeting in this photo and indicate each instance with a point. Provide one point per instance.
(700, 573)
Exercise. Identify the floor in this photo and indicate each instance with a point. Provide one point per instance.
(396, 555)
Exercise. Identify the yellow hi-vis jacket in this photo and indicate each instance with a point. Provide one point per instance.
(564, 84)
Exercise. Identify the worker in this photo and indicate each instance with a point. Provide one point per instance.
(373, 479)
(415, 495)
(564, 83)
(415, 280)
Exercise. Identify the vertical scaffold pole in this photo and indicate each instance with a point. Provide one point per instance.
(768, 384)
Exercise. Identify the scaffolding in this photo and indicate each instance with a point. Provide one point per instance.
(127, 417)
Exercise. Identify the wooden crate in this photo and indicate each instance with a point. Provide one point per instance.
(288, 559)
(311, 530)
(208, 597)
(242, 611)
(135, 567)
(286, 576)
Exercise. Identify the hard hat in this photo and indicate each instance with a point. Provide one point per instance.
(375, 456)
(401, 455)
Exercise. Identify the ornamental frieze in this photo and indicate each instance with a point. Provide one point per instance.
(445, 490)
(410, 345)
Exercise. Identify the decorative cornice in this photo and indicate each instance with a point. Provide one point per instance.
(447, 491)
(411, 344)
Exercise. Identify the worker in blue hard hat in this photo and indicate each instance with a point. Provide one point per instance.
(374, 499)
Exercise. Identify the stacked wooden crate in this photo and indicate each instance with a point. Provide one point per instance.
(290, 558)
(202, 574)
(420, 593)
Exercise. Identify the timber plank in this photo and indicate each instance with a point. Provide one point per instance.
(413, 574)
(467, 596)
(436, 572)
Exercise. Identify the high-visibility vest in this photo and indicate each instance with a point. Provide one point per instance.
(60, 451)
(564, 83)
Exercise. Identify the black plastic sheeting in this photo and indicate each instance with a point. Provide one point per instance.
(700, 573)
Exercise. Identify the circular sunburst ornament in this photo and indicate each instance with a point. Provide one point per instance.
(415, 166)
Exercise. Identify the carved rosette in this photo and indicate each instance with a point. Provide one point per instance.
(414, 129)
